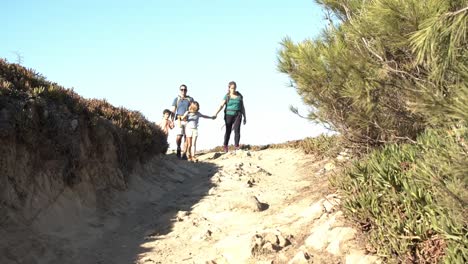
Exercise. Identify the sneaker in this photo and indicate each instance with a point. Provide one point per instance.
(226, 149)
(178, 153)
(237, 147)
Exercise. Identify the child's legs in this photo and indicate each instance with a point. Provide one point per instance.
(189, 146)
(184, 136)
(194, 145)
(179, 140)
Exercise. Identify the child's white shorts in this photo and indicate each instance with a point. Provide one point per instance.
(191, 132)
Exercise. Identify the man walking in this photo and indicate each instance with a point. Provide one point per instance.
(179, 107)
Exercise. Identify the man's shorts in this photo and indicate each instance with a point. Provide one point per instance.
(180, 130)
(191, 132)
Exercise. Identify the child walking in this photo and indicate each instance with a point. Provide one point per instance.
(166, 123)
(191, 132)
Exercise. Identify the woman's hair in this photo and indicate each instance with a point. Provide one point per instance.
(194, 107)
(233, 83)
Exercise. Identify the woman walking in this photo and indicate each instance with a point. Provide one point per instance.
(233, 114)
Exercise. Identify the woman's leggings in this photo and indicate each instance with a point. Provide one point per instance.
(233, 122)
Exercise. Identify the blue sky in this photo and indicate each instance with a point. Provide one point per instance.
(136, 54)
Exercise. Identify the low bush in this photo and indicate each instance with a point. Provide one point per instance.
(21, 87)
(412, 198)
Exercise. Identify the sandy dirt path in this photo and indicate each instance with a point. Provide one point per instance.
(270, 206)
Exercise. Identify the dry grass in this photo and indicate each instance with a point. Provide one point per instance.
(321, 146)
(22, 86)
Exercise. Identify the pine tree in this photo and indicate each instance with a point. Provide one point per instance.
(386, 70)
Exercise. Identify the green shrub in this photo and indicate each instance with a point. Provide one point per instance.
(413, 197)
(383, 70)
(323, 145)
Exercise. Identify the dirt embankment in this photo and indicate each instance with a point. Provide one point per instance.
(55, 167)
(63, 160)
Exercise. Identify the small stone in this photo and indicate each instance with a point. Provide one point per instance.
(256, 205)
(300, 258)
(182, 215)
(328, 206)
(272, 238)
(329, 166)
(344, 154)
(212, 191)
(74, 124)
(251, 183)
(208, 234)
(257, 243)
(148, 259)
(342, 158)
(215, 155)
(268, 248)
(314, 211)
(216, 178)
(283, 242)
(205, 236)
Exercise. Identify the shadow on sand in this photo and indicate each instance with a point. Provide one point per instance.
(174, 187)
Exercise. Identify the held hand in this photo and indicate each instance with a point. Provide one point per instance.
(213, 117)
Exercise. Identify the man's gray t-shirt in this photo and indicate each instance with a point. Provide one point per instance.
(183, 105)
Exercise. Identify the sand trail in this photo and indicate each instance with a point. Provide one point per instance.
(270, 206)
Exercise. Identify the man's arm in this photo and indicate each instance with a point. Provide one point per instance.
(173, 110)
(185, 115)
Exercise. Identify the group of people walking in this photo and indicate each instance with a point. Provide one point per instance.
(185, 114)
